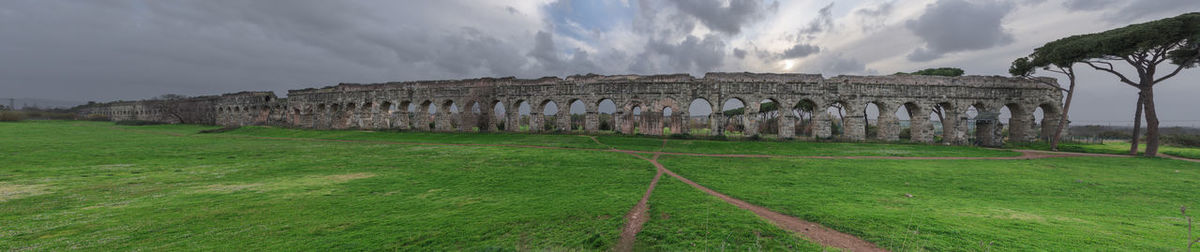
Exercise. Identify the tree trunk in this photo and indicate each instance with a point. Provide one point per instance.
(1151, 122)
(1137, 126)
(1062, 123)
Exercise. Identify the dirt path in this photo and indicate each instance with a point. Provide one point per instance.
(1179, 158)
(811, 230)
(638, 215)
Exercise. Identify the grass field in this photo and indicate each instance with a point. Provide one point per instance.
(1048, 204)
(96, 186)
(1115, 147)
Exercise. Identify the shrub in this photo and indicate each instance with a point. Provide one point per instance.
(219, 130)
(98, 118)
(680, 136)
(1182, 140)
(11, 116)
(137, 122)
(1113, 134)
(906, 133)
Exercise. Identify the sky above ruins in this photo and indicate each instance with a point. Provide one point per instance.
(126, 49)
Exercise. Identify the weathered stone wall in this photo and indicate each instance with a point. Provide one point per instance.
(386, 105)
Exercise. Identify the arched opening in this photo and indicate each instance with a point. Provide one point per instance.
(607, 119)
(350, 117)
(476, 118)
(803, 111)
(871, 124)
(668, 122)
(837, 119)
(635, 119)
(699, 117)
(578, 112)
(942, 124)
(449, 116)
(1006, 120)
(663, 117)
(523, 116)
(549, 115)
(768, 117)
(424, 117)
(904, 121)
(499, 116)
(1047, 118)
(733, 113)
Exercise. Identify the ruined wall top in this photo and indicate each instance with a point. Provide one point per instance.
(714, 77)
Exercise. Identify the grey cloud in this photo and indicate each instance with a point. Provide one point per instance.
(950, 26)
(551, 62)
(800, 51)
(1088, 5)
(836, 64)
(1135, 10)
(727, 19)
(874, 17)
(693, 55)
(823, 22)
(126, 49)
(739, 53)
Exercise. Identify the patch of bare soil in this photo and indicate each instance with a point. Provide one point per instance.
(15, 191)
(813, 231)
(638, 215)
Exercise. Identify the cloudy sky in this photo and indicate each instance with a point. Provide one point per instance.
(128, 49)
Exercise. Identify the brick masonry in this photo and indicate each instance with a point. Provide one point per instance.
(454, 103)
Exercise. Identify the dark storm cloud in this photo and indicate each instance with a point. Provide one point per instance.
(727, 19)
(124, 49)
(800, 51)
(950, 26)
(693, 55)
(552, 62)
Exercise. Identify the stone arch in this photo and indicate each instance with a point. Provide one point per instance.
(578, 114)
(914, 123)
(607, 115)
(701, 117)
(804, 112)
(658, 122)
(547, 115)
(447, 112)
(878, 121)
(835, 116)
(733, 116)
(422, 118)
(521, 114)
(631, 118)
(770, 118)
(1051, 116)
(947, 124)
(500, 116)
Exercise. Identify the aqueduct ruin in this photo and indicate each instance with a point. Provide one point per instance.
(643, 105)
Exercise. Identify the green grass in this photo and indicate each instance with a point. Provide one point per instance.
(1047, 204)
(685, 219)
(549, 140)
(1117, 147)
(641, 143)
(97, 186)
(79, 185)
(803, 148)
